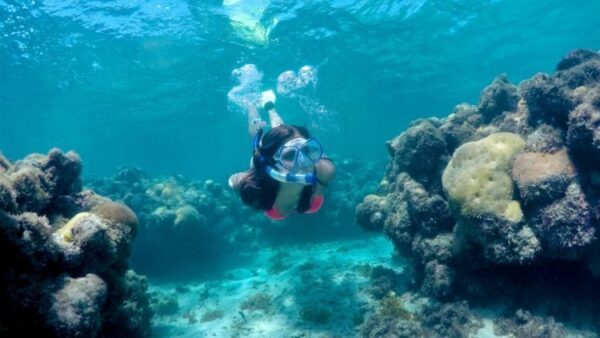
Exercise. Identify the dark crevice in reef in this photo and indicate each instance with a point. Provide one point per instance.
(565, 290)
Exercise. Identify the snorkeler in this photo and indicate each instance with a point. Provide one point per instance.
(288, 170)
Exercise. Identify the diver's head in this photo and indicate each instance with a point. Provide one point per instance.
(288, 154)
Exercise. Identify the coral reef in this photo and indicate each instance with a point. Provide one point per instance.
(583, 137)
(500, 96)
(542, 177)
(181, 222)
(552, 98)
(76, 306)
(523, 324)
(374, 327)
(391, 306)
(503, 196)
(418, 152)
(64, 268)
(383, 282)
(430, 320)
(449, 320)
(185, 223)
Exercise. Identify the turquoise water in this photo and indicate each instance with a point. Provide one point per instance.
(144, 82)
(150, 92)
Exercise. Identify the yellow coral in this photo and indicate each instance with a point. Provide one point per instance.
(167, 192)
(477, 176)
(186, 215)
(66, 231)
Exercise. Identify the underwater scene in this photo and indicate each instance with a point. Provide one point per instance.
(311, 168)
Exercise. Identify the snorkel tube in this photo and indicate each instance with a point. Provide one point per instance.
(288, 177)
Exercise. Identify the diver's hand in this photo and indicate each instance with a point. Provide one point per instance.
(235, 180)
(267, 99)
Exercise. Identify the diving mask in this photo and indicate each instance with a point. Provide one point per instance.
(298, 155)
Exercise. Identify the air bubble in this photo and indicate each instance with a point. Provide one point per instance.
(247, 92)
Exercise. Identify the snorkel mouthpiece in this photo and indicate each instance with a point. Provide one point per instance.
(288, 177)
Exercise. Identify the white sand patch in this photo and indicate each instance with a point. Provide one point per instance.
(310, 291)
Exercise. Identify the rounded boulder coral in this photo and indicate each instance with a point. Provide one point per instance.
(542, 177)
(477, 177)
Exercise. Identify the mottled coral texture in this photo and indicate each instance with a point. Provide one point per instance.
(64, 270)
(502, 198)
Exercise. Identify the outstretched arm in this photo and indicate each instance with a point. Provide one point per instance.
(274, 117)
(254, 121)
(267, 101)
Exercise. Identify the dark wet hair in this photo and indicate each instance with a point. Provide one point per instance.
(258, 189)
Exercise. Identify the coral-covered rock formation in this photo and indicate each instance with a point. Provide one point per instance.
(523, 324)
(430, 320)
(503, 196)
(497, 98)
(64, 267)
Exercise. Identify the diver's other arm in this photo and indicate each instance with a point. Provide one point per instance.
(236, 179)
(325, 173)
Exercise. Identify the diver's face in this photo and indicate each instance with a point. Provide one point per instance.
(289, 156)
(299, 155)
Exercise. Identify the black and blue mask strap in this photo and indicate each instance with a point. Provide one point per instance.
(257, 137)
(256, 144)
